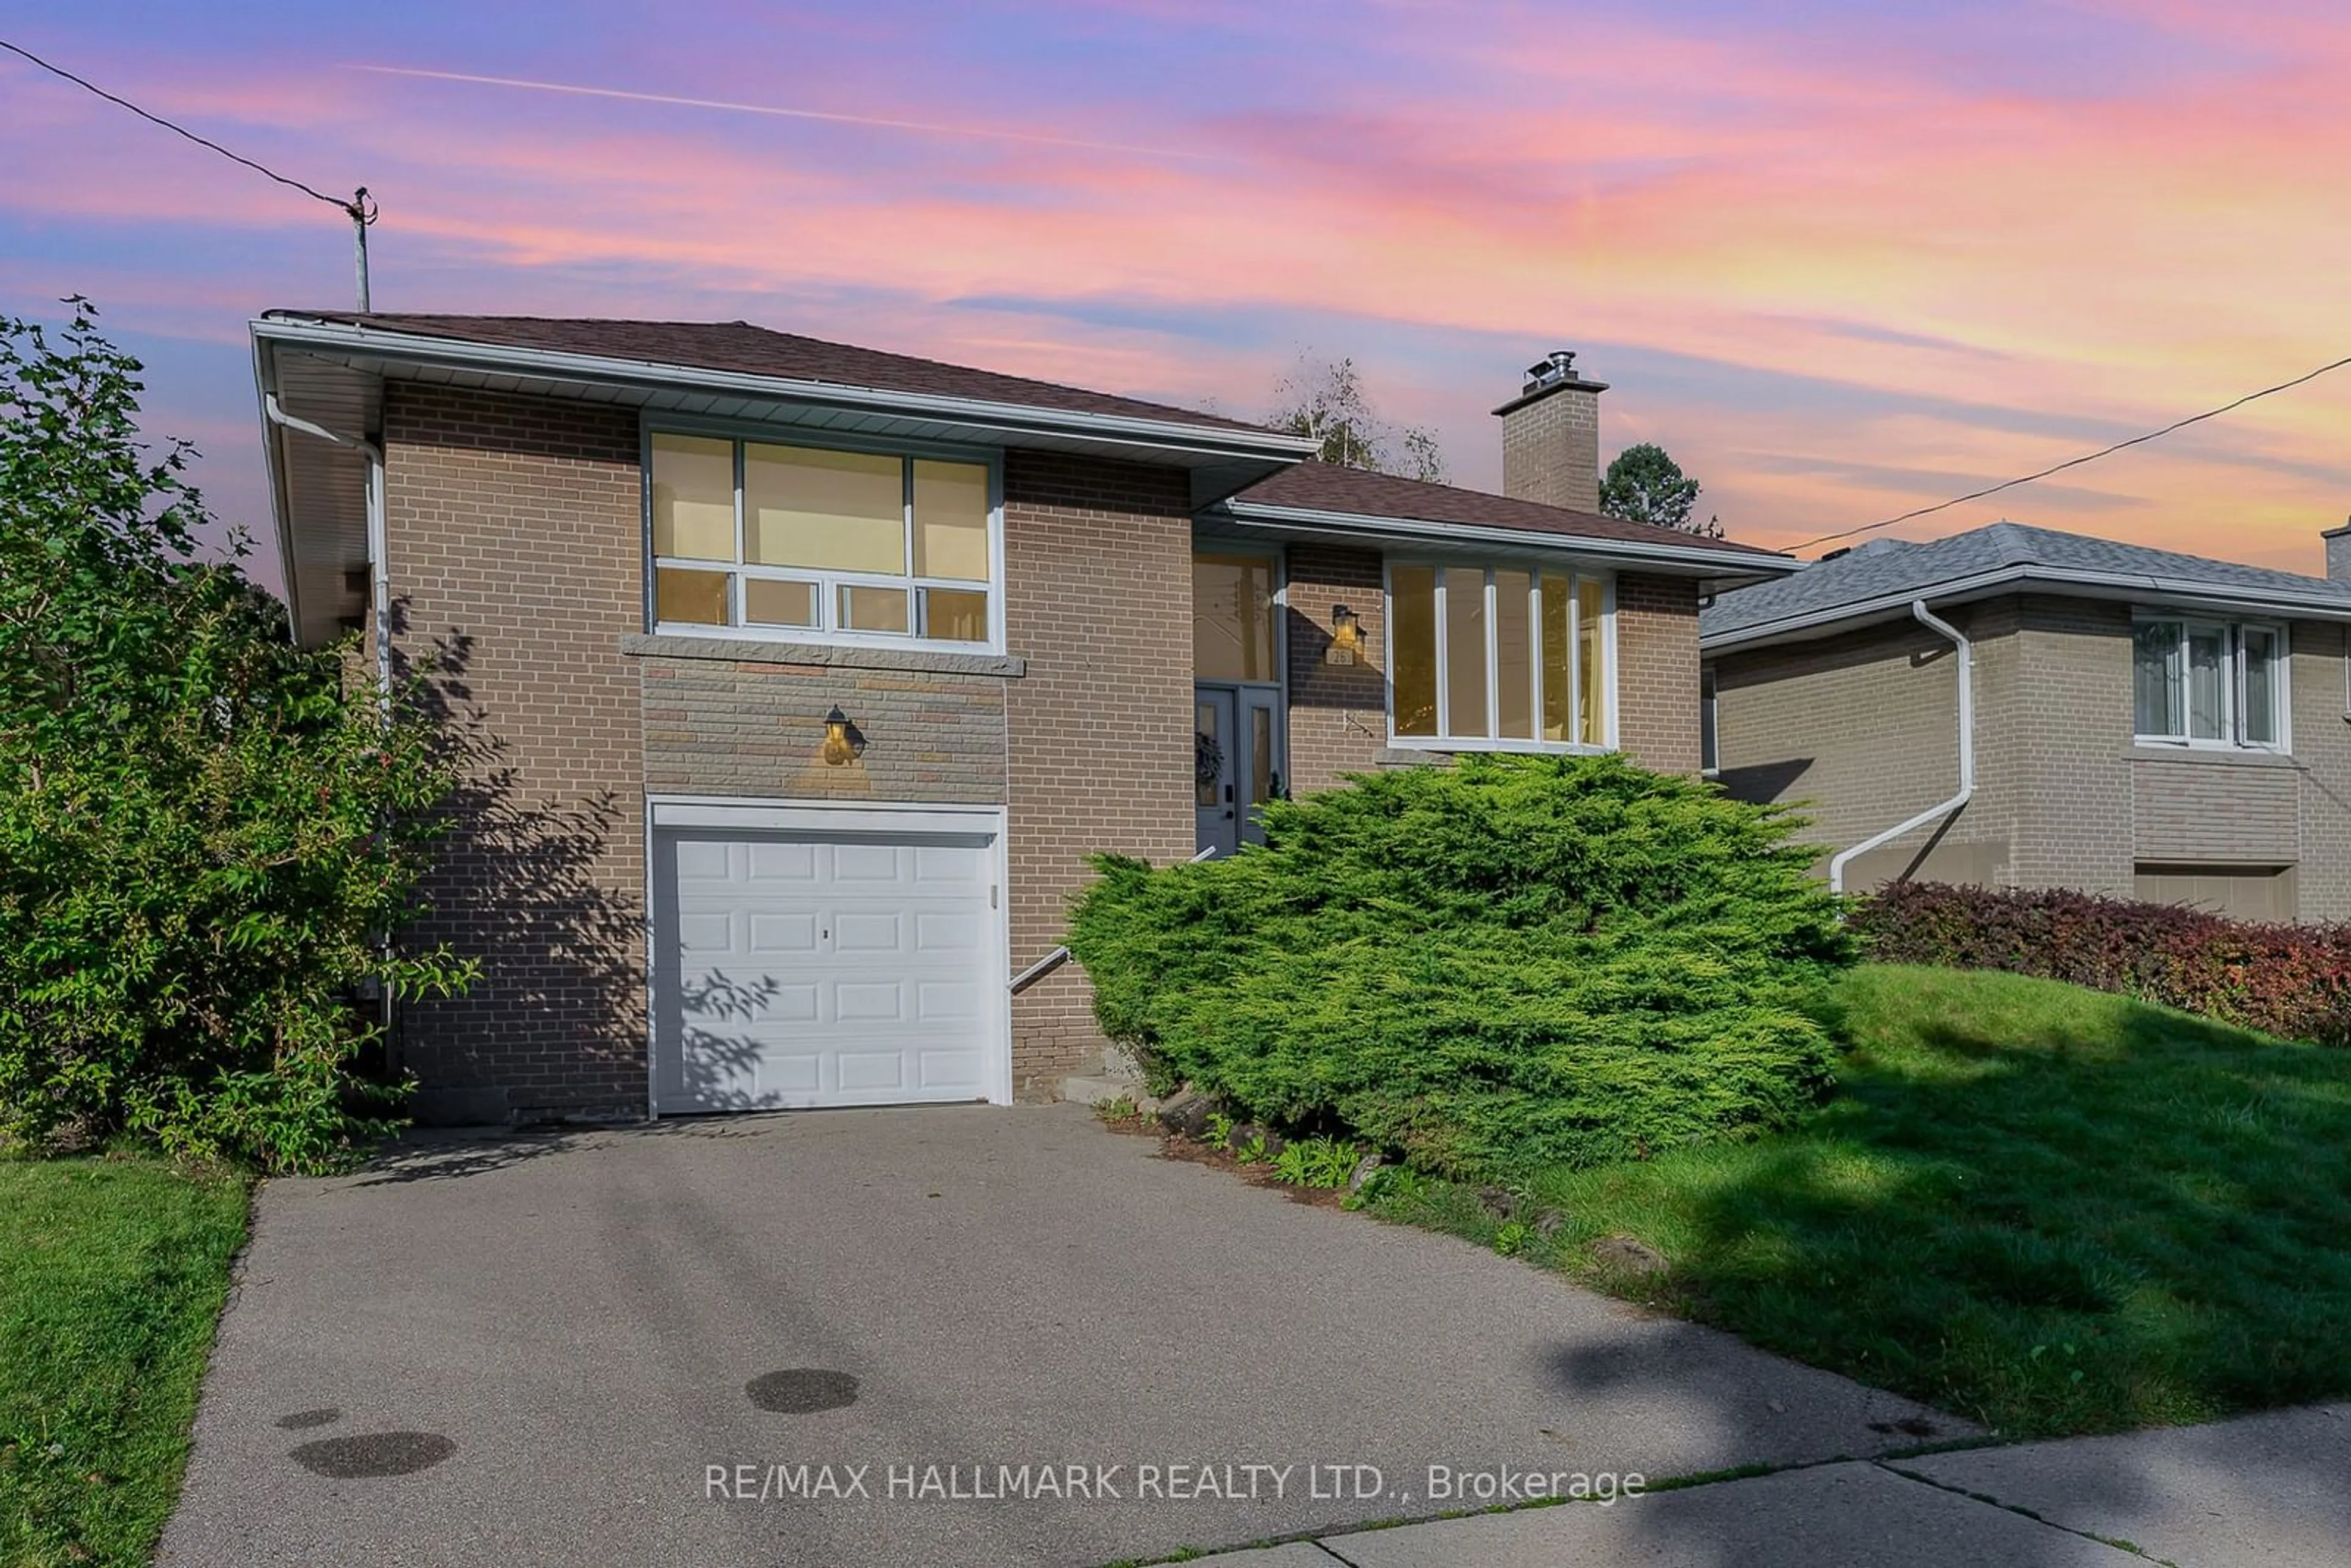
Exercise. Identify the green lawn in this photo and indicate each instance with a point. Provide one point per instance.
(111, 1273)
(2050, 1209)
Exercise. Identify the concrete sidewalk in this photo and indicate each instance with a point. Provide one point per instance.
(2263, 1490)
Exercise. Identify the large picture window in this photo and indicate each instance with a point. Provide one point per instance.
(1498, 657)
(811, 541)
(2208, 682)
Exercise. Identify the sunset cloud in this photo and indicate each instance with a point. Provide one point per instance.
(1844, 260)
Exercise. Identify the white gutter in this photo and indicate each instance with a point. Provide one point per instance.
(547, 364)
(1966, 750)
(2104, 585)
(379, 568)
(1311, 520)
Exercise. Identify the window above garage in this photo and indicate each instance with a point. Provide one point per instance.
(824, 544)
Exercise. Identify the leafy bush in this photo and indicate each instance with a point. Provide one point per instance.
(2292, 981)
(1515, 962)
(204, 843)
(1317, 1162)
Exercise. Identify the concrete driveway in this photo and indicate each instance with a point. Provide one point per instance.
(624, 1346)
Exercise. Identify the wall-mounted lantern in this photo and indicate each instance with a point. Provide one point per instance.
(843, 744)
(1346, 637)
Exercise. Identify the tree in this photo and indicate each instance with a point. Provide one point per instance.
(1326, 401)
(204, 840)
(1645, 485)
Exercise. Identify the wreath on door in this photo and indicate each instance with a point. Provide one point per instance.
(1207, 758)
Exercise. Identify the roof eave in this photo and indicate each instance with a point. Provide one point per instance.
(281, 511)
(2170, 591)
(1683, 560)
(1206, 441)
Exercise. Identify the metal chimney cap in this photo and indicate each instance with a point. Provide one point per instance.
(1558, 366)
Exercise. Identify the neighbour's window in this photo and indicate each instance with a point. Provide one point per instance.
(1497, 657)
(813, 541)
(2208, 682)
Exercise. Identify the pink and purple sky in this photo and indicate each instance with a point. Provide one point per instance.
(1842, 258)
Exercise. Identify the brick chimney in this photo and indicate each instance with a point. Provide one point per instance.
(1551, 437)
(2338, 552)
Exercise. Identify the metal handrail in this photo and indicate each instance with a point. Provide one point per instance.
(1040, 969)
(1061, 956)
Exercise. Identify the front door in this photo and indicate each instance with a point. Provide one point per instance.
(1237, 760)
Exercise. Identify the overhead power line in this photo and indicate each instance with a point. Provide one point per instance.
(357, 206)
(2077, 462)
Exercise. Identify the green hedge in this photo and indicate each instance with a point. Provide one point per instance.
(1516, 962)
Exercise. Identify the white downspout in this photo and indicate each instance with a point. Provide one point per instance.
(380, 586)
(1966, 750)
(379, 568)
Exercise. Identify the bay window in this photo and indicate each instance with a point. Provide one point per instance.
(1498, 657)
(2208, 682)
(808, 542)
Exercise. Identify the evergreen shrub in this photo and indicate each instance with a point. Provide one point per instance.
(1515, 962)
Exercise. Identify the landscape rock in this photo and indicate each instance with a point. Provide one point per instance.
(1498, 1201)
(1627, 1256)
(1547, 1222)
(1244, 1134)
(1362, 1172)
(1186, 1112)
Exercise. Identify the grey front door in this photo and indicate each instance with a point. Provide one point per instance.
(1216, 767)
(1238, 757)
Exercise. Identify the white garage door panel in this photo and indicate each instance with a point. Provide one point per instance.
(815, 970)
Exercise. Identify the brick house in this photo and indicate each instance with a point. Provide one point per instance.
(2144, 723)
(797, 680)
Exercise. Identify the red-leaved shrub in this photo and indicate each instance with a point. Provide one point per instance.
(2293, 981)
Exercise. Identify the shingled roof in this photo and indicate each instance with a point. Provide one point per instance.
(1887, 571)
(740, 348)
(1357, 492)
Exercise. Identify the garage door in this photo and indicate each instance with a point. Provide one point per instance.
(815, 968)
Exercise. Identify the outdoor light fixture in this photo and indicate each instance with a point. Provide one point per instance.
(841, 747)
(1346, 636)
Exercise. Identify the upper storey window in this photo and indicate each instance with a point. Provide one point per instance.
(821, 543)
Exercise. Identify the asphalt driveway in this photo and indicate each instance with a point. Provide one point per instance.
(624, 1346)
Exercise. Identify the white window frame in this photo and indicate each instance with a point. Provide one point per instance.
(1488, 567)
(1709, 723)
(2233, 687)
(828, 583)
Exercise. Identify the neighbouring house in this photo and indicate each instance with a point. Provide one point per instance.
(798, 681)
(2135, 723)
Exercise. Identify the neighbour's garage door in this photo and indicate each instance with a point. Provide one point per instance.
(808, 968)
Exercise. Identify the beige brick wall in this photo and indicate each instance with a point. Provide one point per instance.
(2064, 797)
(1551, 450)
(2322, 744)
(1338, 713)
(514, 556)
(1656, 673)
(1861, 732)
(2206, 809)
(2071, 739)
(1098, 558)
